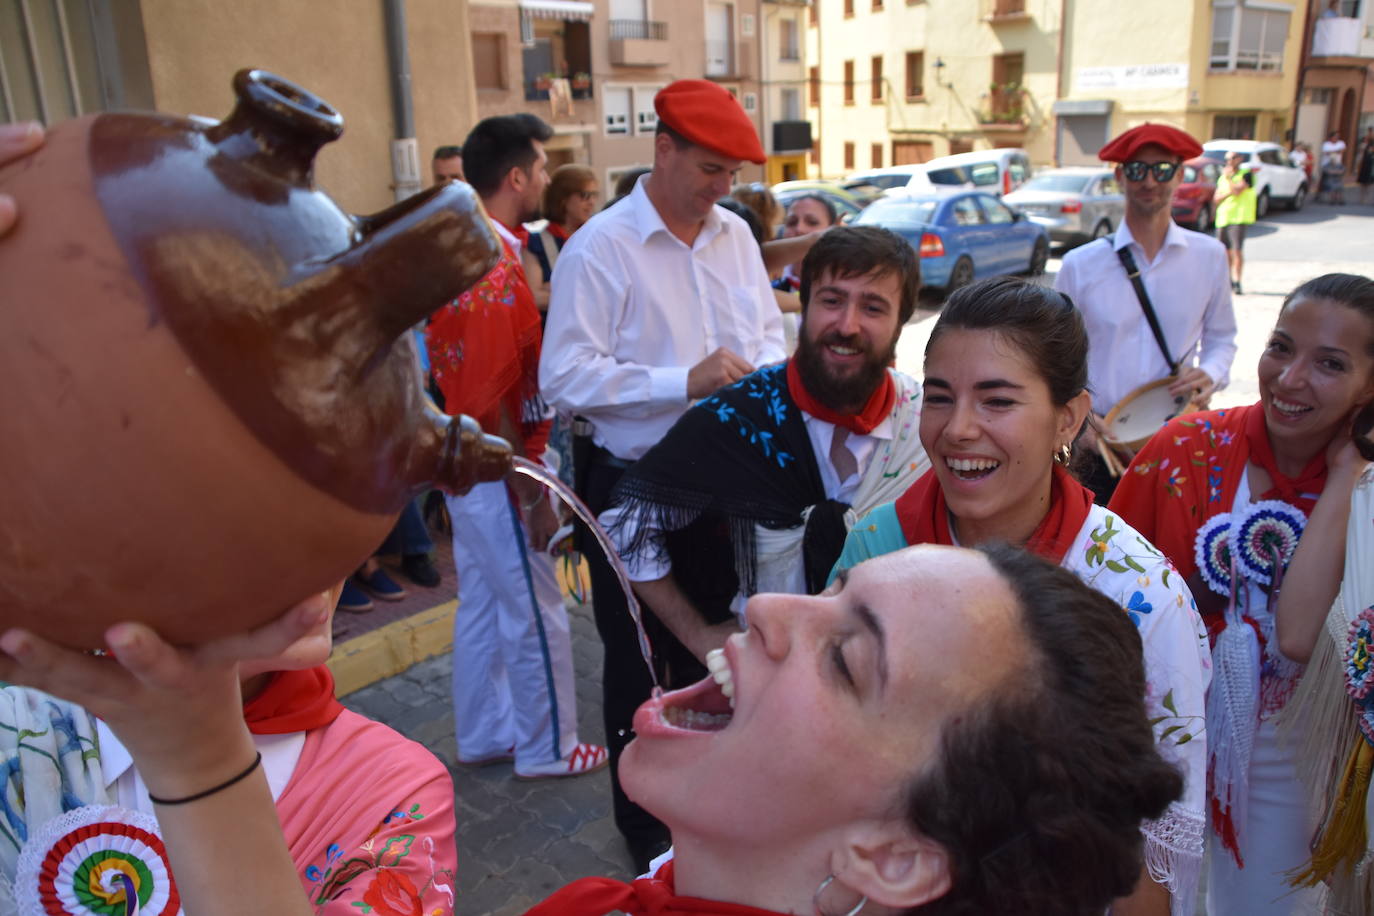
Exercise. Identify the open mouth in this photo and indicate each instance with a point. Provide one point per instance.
(1289, 409)
(707, 706)
(971, 468)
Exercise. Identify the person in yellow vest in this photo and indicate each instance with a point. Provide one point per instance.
(1235, 200)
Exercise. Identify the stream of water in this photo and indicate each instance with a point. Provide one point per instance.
(565, 493)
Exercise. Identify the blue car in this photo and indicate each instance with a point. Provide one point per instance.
(962, 235)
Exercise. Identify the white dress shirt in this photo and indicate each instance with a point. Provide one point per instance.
(632, 309)
(1189, 286)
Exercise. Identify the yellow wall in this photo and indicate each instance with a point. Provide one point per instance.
(336, 50)
(954, 31)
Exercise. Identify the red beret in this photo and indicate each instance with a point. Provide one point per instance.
(708, 115)
(1178, 142)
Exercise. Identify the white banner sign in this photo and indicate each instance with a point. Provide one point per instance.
(1136, 76)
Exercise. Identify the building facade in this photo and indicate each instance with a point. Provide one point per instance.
(901, 81)
(179, 56)
(1336, 91)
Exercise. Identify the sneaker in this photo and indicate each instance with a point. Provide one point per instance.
(585, 758)
(352, 599)
(419, 568)
(379, 585)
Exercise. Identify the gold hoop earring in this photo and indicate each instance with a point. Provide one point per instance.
(816, 899)
(1063, 454)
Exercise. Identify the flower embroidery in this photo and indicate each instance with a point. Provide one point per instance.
(1359, 669)
(391, 893)
(1137, 606)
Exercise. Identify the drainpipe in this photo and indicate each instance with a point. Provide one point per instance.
(1059, 80)
(405, 149)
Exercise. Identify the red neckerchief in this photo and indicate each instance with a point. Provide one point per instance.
(1292, 490)
(520, 232)
(924, 516)
(293, 701)
(645, 897)
(558, 231)
(864, 422)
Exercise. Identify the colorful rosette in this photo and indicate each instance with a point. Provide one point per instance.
(1212, 549)
(1359, 656)
(97, 860)
(1267, 533)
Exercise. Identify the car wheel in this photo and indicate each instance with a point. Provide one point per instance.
(1040, 256)
(1102, 230)
(1204, 220)
(961, 275)
(1298, 199)
(1262, 205)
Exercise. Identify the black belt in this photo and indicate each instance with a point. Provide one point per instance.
(604, 458)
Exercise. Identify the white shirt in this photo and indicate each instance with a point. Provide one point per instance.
(1189, 287)
(1333, 152)
(651, 562)
(632, 309)
(280, 754)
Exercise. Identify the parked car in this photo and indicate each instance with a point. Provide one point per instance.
(1277, 179)
(1074, 204)
(1192, 202)
(962, 235)
(999, 171)
(876, 181)
(847, 204)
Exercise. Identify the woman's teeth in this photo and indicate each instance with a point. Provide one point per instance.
(971, 468)
(720, 673)
(695, 721)
(1290, 409)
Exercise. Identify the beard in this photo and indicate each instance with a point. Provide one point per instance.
(846, 393)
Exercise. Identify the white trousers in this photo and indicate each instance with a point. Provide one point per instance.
(512, 650)
(1278, 829)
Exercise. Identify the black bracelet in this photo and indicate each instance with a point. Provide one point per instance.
(257, 759)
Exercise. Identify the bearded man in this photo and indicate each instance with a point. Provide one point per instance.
(754, 488)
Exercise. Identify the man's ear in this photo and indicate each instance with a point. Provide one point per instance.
(891, 865)
(516, 178)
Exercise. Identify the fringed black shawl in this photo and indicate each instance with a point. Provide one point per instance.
(738, 459)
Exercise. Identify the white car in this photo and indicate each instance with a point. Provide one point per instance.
(1276, 178)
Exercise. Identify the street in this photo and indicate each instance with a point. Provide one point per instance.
(518, 841)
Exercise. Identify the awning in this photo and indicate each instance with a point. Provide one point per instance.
(1067, 108)
(575, 10)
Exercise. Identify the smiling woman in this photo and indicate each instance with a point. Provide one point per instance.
(1267, 467)
(1005, 398)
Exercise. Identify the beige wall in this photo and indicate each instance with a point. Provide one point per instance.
(955, 31)
(336, 50)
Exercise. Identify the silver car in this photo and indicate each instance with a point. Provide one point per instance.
(1075, 204)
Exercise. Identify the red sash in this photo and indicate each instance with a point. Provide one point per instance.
(924, 515)
(645, 897)
(875, 411)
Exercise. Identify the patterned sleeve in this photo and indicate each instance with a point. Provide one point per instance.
(404, 868)
(1125, 566)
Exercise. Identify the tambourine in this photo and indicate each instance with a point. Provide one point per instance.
(1141, 414)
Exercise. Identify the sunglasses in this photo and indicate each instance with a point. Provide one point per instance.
(1135, 170)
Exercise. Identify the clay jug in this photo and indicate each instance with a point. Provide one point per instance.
(211, 405)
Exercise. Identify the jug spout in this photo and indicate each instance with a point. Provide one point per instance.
(276, 126)
(453, 454)
(421, 253)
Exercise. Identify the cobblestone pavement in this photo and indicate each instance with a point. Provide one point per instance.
(517, 841)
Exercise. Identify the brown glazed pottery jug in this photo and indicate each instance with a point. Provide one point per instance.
(210, 405)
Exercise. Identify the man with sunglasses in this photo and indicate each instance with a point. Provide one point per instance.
(1185, 279)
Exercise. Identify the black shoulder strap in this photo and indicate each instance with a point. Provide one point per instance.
(1133, 272)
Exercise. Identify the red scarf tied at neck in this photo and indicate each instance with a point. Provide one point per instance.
(864, 422)
(924, 515)
(1292, 490)
(645, 897)
(293, 701)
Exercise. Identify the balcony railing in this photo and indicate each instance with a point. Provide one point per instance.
(1005, 105)
(1337, 36)
(639, 29)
